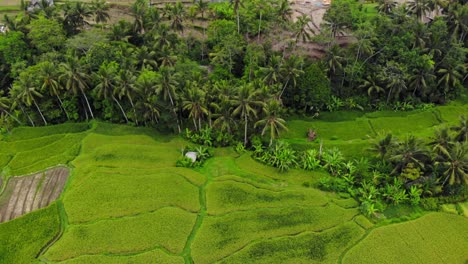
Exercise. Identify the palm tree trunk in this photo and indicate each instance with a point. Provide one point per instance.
(121, 109)
(63, 108)
(27, 115)
(245, 130)
(40, 112)
(284, 88)
(194, 123)
(238, 21)
(199, 123)
(175, 113)
(259, 27)
(134, 110)
(87, 102)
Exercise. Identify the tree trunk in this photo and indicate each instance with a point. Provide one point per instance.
(199, 123)
(87, 102)
(24, 112)
(259, 27)
(195, 124)
(120, 106)
(175, 113)
(245, 129)
(134, 110)
(238, 21)
(63, 108)
(284, 88)
(40, 112)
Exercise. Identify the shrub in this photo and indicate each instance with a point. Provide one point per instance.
(203, 154)
(310, 160)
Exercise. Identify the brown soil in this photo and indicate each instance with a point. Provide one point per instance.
(25, 194)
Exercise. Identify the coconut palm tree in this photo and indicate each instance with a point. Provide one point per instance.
(202, 7)
(371, 84)
(166, 86)
(284, 10)
(272, 122)
(176, 16)
(244, 104)
(291, 69)
(411, 150)
(236, 4)
(75, 79)
(125, 87)
(26, 92)
(461, 130)
(442, 141)
(224, 119)
(383, 146)
(419, 8)
(194, 103)
(272, 71)
(454, 162)
(106, 78)
(50, 82)
(5, 106)
(100, 8)
(386, 6)
(302, 28)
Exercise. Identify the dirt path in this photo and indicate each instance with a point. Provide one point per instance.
(26, 193)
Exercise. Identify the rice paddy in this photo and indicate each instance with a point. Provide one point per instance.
(126, 202)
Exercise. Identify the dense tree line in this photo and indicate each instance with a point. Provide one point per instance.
(215, 65)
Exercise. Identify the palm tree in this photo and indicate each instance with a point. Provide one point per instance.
(224, 119)
(26, 92)
(125, 87)
(106, 81)
(290, 71)
(101, 10)
(50, 82)
(411, 150)
(441, 141)
(194, 103)
(167, 85)
(302, 28)
(371, 84)
(454, 162)
(383, 146)
(75, 15)
(138, 12)
(449, 77)
(272, 121)
(236, 5)
(202, 7)
(145, 57)
(245, 102)
(419, 8)
(386, 6)
(5, 105)
(273, 70)
(461, 130)
(177, 15)
(420, 79)
(334, 59)
(75, 79)
(284, 10)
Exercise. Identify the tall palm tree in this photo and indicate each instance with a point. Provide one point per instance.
(302, 28)
(176, 16)
(26, 92)
(138, 12)
(272, 121)
(461, 130)
(236, 5)
(146, 57)
(5, 106)
(420, 80)
(383, 146)
(291, 69)
(166, 86)
(386, 6)
(454, 162)
(194, 103)
(442, 141)
(371, 84)
(125, 87)
(224, 119)
(50, 82)
(245, 103)
(75, 79)
(100, 8)
(284, 10)
(202, 7)
(272, 71)
(419, 8)
(106, 78)
(75, 15)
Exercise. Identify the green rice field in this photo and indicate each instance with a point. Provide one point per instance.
(126, 202)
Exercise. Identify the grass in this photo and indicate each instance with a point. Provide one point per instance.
(228, 196)
(221, 236)
(433, 238)
(95, 198)
(308, 247)
(126, 202)
(167, 228)
(146, 257)
(23, 238)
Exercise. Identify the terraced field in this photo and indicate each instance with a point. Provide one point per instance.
(126, 202)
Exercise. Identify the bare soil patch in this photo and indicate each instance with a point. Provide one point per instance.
(27, 193)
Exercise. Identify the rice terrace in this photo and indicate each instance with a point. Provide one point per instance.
(240, 131)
